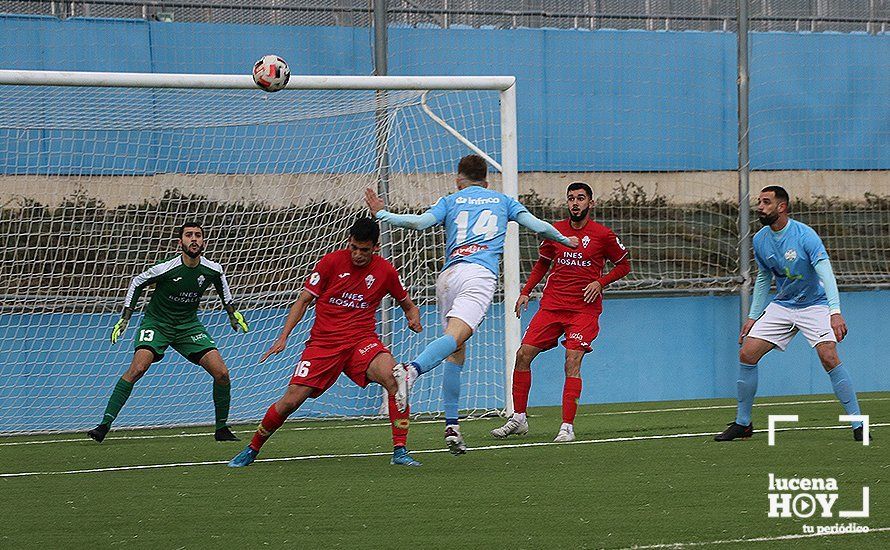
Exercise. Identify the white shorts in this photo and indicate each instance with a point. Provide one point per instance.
(465, 291)
(779, 324)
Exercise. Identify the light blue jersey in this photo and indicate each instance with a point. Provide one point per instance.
(475, 220)
(790, 255)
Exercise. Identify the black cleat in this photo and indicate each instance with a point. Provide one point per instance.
(99, 432)
(735, 431)
(225, 434)
(857, 434)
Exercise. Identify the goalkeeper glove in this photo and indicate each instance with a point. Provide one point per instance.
(118, 330)
(236, 319)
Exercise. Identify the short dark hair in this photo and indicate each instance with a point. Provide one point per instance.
(780, 193)
(365, 230)
(574, 186)
(189, 224)
(473, 168)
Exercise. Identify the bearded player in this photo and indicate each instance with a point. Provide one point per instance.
(570, 307)
(807, 300)
(348, 286)
(171, 319)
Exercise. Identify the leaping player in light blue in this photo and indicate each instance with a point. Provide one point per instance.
(475, 220)
(807, 300)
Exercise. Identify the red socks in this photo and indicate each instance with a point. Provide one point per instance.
(522, 382)
(571, 392)
(399, 422)
(271, 422)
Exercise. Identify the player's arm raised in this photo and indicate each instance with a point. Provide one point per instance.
(410, 221)
(294, 316)
(544, 230)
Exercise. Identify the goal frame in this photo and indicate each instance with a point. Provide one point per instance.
(504, 85)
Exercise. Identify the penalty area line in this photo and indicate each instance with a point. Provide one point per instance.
(756, 539)
(388, 453)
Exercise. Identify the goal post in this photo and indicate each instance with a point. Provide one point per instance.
(98, 168)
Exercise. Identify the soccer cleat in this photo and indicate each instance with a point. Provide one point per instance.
(566, 434)
(454, 440)
(225, 434)
(512, 427)
(99, 432)
(400, 457)
(857, 435)
(244, 458)
(735, 431)
(404, 373)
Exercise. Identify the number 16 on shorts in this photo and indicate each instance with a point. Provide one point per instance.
(302, 370)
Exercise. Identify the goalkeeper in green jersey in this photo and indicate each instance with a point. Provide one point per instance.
(171, 319)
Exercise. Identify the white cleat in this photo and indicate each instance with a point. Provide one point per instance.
(566, 434)
(455, 441)
(401, 373)
(512, 427)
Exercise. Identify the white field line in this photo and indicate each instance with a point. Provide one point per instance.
(379, 424)
(387, 453)
(757, 539)
(714, 407)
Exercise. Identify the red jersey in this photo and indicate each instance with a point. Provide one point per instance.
(348, 296)
(575, 268)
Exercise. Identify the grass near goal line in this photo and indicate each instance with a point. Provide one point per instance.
(643, 474)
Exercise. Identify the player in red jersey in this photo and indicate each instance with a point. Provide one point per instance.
(571, 306)
(348, 286)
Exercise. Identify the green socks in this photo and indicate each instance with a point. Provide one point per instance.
(222, 396)
(118, 397)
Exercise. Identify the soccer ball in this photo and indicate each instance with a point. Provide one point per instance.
(271, 73)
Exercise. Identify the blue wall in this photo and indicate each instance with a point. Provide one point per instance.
(56, 371)
(603, 100)
(655, 349)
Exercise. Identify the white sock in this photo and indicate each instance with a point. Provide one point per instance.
(567, 427)
(519, 417)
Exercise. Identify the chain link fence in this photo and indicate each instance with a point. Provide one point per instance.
(680, 15)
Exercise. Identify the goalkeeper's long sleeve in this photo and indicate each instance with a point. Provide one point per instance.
(410, 221)
(826, 275)
(542, 228)
(760, 294)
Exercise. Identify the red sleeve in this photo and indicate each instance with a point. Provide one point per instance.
(621, 269)
(395, 289)
(547, 250)
(613, 250)
(318, 279)
(538, 272)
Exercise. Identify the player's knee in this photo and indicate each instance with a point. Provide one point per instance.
(748, 357)
(221, 376)
(524, 358)
(573, 366)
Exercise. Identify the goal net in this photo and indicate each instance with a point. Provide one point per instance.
(96, 178)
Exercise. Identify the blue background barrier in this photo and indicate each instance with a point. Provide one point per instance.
(58, 374)
(605, 100)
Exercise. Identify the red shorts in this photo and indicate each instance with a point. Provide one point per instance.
(547, 326)
(321, 363)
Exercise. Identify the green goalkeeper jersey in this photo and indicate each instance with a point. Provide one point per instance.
(178, 289)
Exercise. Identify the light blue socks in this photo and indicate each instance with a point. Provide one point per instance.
(843, 389)
(434, 353)
(747, 388)
(451, 391)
